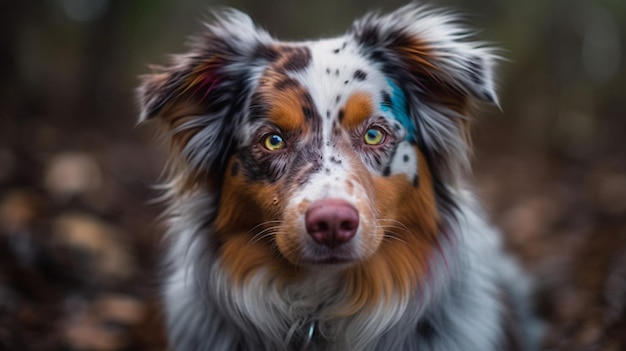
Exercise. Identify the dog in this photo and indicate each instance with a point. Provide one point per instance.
(316, 191)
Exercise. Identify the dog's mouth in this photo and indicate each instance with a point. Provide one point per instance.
(329, 261)
(330, 258)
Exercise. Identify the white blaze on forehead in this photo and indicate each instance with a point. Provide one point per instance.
(333, 76)
(330, 81)
(336, 72)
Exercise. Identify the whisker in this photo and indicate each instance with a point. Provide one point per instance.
(263, 224)
(398, 223)
(384, 227)
(269, 231)
(389, 236)
(265, 232)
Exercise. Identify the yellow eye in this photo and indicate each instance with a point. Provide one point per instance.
(374, 136)
(274, 142)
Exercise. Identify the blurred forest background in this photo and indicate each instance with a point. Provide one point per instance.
(78, 235)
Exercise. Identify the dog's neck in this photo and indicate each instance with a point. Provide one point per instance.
(308, 331)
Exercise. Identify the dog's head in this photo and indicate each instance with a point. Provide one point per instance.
(345, 150)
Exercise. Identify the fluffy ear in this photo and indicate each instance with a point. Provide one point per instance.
(427, 55)
(200, 97)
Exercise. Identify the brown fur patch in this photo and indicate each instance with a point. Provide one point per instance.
(246, 216)
(287, 103)
(284, 107)
(401, 261)
(359, 108)
(243, 258)
(417, 55)
(421, 63)
(293, 58)
(397, 266)
(245, 204)
(177, 95)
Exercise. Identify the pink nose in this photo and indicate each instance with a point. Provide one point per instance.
(331, 222)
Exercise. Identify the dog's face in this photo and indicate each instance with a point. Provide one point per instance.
(337, 152)
(324, 165)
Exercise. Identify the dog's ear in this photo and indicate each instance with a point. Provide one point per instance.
(429, 59)
(200, 97)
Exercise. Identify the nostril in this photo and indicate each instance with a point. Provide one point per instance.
(348, 225)
(332, 222)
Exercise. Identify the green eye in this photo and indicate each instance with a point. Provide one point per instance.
(374, 136)
(274, 142)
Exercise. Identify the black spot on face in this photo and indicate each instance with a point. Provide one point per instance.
(335, 129)
(327, 70)
(387, 171)
(308, 112)
(327, 114)
(337, 72)
(360, 75)
(335, 160)
(340, 115)
(405, 158)
(346, 82)
(285, 83)
(336, 51)
(308, 107)
(338, 98)
(297, 59)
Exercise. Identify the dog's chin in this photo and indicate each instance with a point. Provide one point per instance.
(330, 258)
(329, 261)
(328, 266)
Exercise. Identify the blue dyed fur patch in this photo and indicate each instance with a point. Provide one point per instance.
(399, 111)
